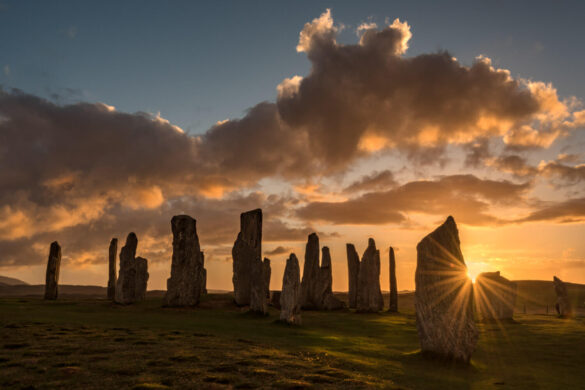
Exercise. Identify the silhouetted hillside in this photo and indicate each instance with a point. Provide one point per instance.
(6, 281)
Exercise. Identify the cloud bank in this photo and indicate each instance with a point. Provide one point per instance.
(85, 172)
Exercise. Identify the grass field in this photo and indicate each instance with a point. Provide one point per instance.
(94, 344)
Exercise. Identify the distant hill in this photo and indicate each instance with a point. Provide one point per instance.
(541, 293)
(69, 290)
(6, 281)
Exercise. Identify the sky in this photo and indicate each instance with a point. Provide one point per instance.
(352, 120)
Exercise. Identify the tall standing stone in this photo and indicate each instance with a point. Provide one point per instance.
(353, 269)
(327, 301)
(53, 267)
(267, 273)
(393, 307)
(311, 272)
(563, 304)
(258, 301)
(112, 252)
(444, 296)
(369, 294)
(133, 274)
(184, 287)
(246, 254)
(142, 275)
(290, 308)
(495, 297)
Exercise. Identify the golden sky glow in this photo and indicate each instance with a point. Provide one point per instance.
(371, 142)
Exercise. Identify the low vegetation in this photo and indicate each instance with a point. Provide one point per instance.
(91, 343)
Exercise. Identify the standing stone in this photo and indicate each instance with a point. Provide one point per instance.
(327, 301)
(267, 273)
(353, 268)
(246, 254)
(126, 283)
(203, 275)
(275, 299)
(258, 301)
(369, 294)
(444, 296)
(53, 266)
(393, 307)
(133, 275)
(112, 252)
(563, 305)
(142, 275)
(495, 297)
(185, 285)
(309, 290)
(290, 311)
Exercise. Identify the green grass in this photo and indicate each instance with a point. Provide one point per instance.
(93, 344)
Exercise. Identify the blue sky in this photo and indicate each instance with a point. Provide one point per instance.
(200, 62)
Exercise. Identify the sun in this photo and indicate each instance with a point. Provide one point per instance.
(471, 276)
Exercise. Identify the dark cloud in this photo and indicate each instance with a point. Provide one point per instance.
(513, 164)
(279, 250)
(567, 174)
(466, 197)
(373, 181)
(476, 153)
(571, 210)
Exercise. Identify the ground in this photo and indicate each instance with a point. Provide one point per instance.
(91, 343)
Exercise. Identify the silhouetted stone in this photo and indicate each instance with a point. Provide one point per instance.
(369, 294)
(112, 252)
(133, 274)
(258, 301)
(141, 278)
(393, 307)
(563, 305)
(353, 269)
(290, 311)
(309, 290)
(275, 299)
(53, 267)
(246, 254)
(316, 292)
(267, 273)
(203, 275)
(444, 296)
(186, 283)
(495, 296)
(327, 300)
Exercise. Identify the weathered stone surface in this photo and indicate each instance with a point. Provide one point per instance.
(267, 273)
(186, 283)
(393, 306)
(309, 290)
(258, 301)
(133, 274)
(444, 296)
(353, 269)
(275, 299)
(563, 305)
(495, 296)
(246, 254)
(112, 252)
(369, 294)
(290, 311)
(316, 292)
(141, 278)
(327, 301)
(53, 267)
